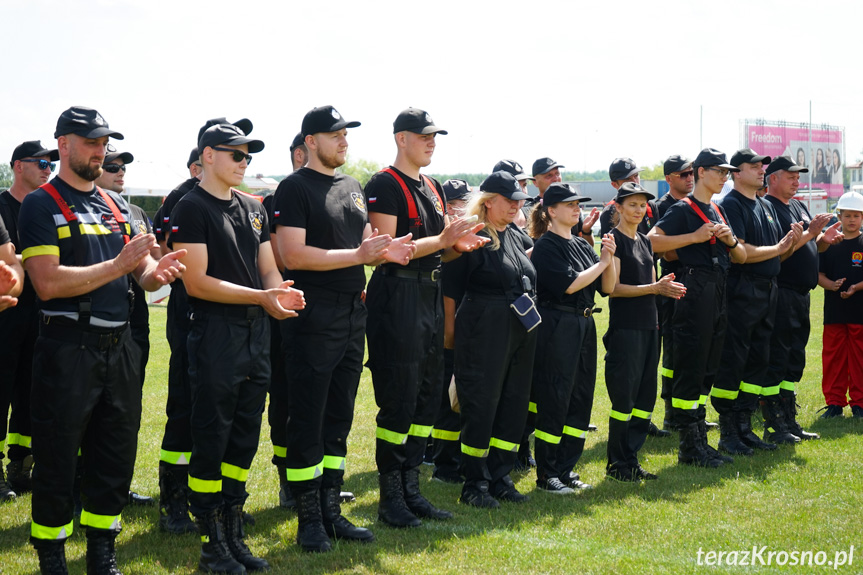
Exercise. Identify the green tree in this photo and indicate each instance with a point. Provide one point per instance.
(654, 172)
(5, 175)
(361, 169)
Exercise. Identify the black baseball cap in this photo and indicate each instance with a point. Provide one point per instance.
(324, 119)
(513, 168)
(455, 190)
(544, 165)
(785, 163)
(245, 125)
(416, 121)
(675, 164)
(194, 156)
(631, 189)
(748, 156)
(33, 149)
(228, 135)
(709, 157)
(299, 140)
(622, 168)
(560, 192)
(125, 157)
(505, 184)
(84, 122)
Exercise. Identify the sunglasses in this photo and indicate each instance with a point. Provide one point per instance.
(114, 168)
(43, 164)
(684, 175)
(238, 155)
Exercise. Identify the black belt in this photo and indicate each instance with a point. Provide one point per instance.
(713, 271)
(802, 290)
(756, 278)
(586, 312)
(411, 274)
(248, 312)
(69, 330)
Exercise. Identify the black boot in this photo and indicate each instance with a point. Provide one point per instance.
(335, 524)
(419, 505)
(286, 498)
(747, 436)
(654, 431)
(234, 537)
(775, 429)
(101, 559)
(52, 556)
(691, 451)
(789, 408)
(18, 474)
(173, 499)
(392, 508)
(215, 555)
(311, 535)
(702, 438)
(6, 492)
(729, 435)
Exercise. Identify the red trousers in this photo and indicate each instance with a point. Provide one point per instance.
(842, 364)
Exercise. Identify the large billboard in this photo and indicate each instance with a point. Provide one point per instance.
(821, 149)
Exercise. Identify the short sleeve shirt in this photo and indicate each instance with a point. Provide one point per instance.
(800, 270)
(636, 268)
(681, 218)
(843, 260)
(662, 205)
(163, 216)
(558, 262)
(754, 222)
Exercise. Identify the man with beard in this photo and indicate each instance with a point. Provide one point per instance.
(78, 249)
(31, 167)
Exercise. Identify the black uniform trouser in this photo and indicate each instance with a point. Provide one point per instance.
(323, 349)
(631, 358)
(229, 373)
(493, 370)
(19, 327)
(665, 309)
(177, 441)
(277, 410)
(564, 378)
(789, 339)
(742, 374)
(405, 336)
(447, 425)
(87, 395)
(698, 332)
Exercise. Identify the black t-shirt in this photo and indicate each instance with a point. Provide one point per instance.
(233, 231)
(800, 270)
(163, 215)
(843, 260)
(44, 231)
(332, 211)
(636, 268)
(10, 208)
(558, 263)
(754, 222)
(488, 272)
(662, 205)
(141, 224)
(384, 195)
(605, 224)
(680, 218)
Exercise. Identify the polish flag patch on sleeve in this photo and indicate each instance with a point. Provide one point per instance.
(373, 199)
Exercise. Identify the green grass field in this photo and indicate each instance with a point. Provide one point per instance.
(795, 499)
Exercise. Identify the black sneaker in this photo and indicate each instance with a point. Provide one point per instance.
(510, 494)
(553, 485)
(444, 476)
(831, 411)
(857, 412)
(573, 481)
(640, 473)
(478, 497)
(623, 474)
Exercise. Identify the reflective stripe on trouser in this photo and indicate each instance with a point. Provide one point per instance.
(277, 408)
(447, 425)
(405, 338)
(177, 440)
(323, 349)
(229, 372)
(631, 360)
(19, 327)
(96, 521)
(698, 332)
(90, 399)
(788, 340)
(563, 385)
(746, 351)
(494, 362)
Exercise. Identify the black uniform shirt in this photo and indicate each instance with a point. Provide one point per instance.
(384, 195)
(681, 219)
(754, 222)
(636, 268)
(332, 211)
(10, 208)
(843, 260)
(163, 215)
(140, 314)
(662, 205)
(800, 270)
(488, 272)
(558, 263)
(45, 231)
(233, 231)
(4, 234)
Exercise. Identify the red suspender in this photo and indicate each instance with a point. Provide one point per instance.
(701, 215)
(61, 203)
(413, 214)
(117, 215)
(70, 215)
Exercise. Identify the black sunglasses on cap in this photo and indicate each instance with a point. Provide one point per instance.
(114, 168)
(238, 155)
(43, 164)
